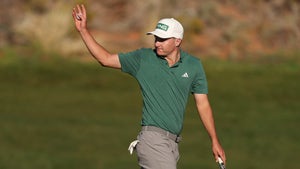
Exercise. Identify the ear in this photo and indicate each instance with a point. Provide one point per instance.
(178, 42)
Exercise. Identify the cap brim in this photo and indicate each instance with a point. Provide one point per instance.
(158, 34)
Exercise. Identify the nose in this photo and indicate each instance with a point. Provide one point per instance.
(157, 43)
(160, 40)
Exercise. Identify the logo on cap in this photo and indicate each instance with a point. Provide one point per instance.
(162, 26)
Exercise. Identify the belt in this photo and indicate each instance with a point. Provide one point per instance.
(171, 136)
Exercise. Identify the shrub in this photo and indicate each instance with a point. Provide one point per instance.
(49, 30)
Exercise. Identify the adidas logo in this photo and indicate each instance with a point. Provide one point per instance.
(185, 75)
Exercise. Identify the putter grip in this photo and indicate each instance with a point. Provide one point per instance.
(221, 163)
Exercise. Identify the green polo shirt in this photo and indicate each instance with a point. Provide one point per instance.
(165, 89)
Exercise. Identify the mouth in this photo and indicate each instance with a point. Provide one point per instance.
(159, 50)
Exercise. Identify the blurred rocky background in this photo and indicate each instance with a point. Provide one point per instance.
(226, 29)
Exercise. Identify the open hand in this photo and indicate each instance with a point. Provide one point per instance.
(79, 16)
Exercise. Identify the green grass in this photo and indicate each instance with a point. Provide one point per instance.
(60, 114)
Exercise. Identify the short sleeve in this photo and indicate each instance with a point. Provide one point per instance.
(199, 84)
(130, 62)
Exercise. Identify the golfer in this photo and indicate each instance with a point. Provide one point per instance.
(166, 75)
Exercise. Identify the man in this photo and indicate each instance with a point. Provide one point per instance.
(167, 75)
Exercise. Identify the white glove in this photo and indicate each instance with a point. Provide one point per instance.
(132, 146)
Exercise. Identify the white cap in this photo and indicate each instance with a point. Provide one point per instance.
(168, 28)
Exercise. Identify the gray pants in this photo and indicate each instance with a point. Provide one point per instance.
(156, 151)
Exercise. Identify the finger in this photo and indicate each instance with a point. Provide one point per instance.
(78, 9)
(76, 16)
(74, 13)
(216, 157)
(83, 10)
(215, 154)
(223, 157)
(78, 13)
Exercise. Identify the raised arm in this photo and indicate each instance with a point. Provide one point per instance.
(206, 115)
(104, 57)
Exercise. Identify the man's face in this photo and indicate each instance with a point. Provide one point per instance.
(165, 47)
